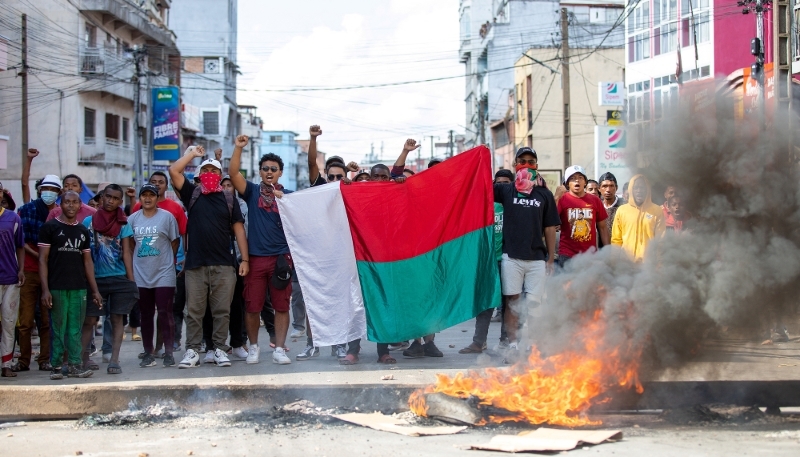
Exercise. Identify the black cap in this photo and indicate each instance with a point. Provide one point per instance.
(148, 187)
(282, 275)
(526, 150)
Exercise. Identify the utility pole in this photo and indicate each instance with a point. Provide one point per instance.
(432, 147)
(757, 50)
(782, 19)
(450, 145)
(138, 56)
(565, 86)
(24, 74)
(149, 96)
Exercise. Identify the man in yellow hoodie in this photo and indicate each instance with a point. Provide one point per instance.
(638, 221)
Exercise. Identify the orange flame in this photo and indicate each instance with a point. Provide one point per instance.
(556, 390)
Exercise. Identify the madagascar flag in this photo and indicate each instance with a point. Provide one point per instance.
(396, 261)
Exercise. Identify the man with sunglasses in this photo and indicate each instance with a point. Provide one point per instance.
(529, 215)
(270, 261)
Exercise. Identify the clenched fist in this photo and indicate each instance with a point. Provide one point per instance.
(314, 131)
(411, 144)
(241, 141)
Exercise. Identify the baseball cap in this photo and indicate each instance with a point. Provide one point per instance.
(212, 162)
(572, 170)
(526, 150)
(282, 274)
(51, 181)
(148, 188)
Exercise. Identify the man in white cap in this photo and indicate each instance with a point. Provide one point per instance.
(33, 216)
(583, 217)
(210, 265)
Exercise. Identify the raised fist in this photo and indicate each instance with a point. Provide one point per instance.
(130, 192)
(241, 141)
(352, 166)
(314, 131)
(32, 153)
(218, 153)
(195, 151)
(411, 144)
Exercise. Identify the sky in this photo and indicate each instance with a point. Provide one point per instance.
(343, 43)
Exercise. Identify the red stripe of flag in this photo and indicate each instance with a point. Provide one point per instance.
(391, 221)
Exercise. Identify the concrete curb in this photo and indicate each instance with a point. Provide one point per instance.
(60, 402)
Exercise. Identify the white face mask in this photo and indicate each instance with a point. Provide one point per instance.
(49, 197)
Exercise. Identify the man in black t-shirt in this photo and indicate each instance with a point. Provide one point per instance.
(210, 264)
(529, 214)
(65, 269)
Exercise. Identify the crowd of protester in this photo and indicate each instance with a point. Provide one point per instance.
(217, 261)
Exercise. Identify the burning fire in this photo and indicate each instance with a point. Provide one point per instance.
(556, 390)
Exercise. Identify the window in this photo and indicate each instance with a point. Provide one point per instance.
(466, 24)
(699, 26)
(211, 122)
(666, 38)
(88, 126)
(211, 66)
(90, 36)
(275, 139)
(112, 127)
(126, 136)
(639, 31)
(796, 30)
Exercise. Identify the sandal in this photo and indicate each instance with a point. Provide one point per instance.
(45, 366)
(8, 373)
(350, 359)
(387, 359)
(92, 365)
(114, 368)
(136, 337)
(16, 368)
(471, 349)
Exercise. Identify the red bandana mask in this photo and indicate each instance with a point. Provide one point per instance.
(209, 182)
(526, 178)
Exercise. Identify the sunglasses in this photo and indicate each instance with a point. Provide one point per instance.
(338, 177)
(528, 161)
(272, 169)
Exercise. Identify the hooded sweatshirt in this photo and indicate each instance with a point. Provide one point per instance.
(634, 226)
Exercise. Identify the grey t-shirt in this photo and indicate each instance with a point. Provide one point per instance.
(153, 261)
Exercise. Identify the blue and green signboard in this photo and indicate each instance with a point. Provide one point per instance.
(166, 123)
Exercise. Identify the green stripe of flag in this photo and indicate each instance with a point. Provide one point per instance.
(433, 291)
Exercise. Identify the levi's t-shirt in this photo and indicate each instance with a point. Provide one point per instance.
(579, 218)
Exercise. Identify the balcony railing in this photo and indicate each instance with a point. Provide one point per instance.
(110, 153)
(102, 61)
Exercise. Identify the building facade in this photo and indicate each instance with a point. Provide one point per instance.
(284, 144)
(699, 40)
(81, 85)
(493, 34)
(207, 30)
(536, 104)
(251, 126)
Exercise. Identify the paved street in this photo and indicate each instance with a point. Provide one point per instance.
(208, 438)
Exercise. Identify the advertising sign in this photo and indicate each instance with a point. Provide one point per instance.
(609, 149)
(166, 123)
(611, 94)
(614, 118)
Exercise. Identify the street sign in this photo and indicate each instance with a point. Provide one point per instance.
(611, 94)
(615, 118)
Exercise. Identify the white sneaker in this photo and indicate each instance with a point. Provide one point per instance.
(240, 352)
(209, 357)
(191, 359)
(297, 334)
(253, 354)
(279, 357)
(221, 358)
(106, 358)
